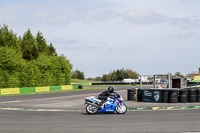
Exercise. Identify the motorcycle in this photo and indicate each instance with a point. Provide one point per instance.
(112, 104)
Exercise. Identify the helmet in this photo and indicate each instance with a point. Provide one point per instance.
(110, 89)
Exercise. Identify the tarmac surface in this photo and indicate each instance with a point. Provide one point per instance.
(65, 113)
(74, 100)
(182, 121)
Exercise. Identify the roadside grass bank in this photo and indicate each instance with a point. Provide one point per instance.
(83, 81)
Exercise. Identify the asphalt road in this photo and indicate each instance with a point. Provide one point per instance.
(72, 100)
(15, 121)
(80, 122)
(65, 100)
(49, 95)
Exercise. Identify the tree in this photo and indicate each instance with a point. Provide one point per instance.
(132, 74)
(171, 75)
(2, 41)
(22, 66)
(90, 79)
(41, 43)
(29, 46)
(52, 50)
(9, 38)
(78, 74)
(105, 78)
(112, 76)
(98, 78)
(179, 74)
(10, 66)
(119, 75)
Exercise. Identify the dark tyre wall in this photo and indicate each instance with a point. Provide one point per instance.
(139, 95)
(186, 95)
(131, 94)
(173, 96)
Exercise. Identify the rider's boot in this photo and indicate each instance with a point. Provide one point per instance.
(101, 104)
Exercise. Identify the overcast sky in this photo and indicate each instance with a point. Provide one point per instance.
(98, 36)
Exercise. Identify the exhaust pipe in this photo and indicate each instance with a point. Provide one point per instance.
(91, 104)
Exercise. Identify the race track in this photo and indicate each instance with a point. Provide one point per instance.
(70, 116)
(80, 122)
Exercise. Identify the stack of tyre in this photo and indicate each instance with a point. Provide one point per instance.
(165, 94)
(183, 96)
(198, 94)
(192, 95)
(173, 96)
(131, 94)
(139, 95)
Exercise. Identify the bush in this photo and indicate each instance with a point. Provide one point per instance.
(30, 62)
(45, 71)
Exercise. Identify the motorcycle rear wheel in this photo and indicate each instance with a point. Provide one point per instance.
(121, 109)
(91, 109)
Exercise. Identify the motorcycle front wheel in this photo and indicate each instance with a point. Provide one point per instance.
(91, 109)
(121, 109)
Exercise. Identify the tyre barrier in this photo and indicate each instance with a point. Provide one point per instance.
(165, 94)
(183, 96)
(198, 95)
(191, 95)
(139, 95)
(131, 94)
(173, 96)
(80, 86)
(186, 95)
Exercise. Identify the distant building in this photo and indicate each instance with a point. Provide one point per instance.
(177, 82)
(130, 80)
(194, 73)
(143, 78)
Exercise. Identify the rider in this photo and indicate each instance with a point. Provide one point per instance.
(104, 95)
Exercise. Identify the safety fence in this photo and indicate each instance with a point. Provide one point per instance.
(28, 90)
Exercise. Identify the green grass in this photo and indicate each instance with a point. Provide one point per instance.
(80, 81)
(83, 81)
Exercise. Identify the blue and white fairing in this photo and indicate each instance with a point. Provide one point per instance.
(109, 106)
(111, 103)
(92, 98)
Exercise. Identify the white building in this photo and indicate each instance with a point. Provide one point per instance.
(130, 80)
(143, 78)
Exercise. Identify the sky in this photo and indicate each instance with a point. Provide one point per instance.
(99, 36)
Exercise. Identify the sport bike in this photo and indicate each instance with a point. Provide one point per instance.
(112, 104)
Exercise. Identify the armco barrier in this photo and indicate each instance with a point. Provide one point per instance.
(122, 83)
(110, 83)
(28, 90)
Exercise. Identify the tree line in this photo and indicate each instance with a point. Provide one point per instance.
(119, 75)
(29, 62)
(115, 75)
